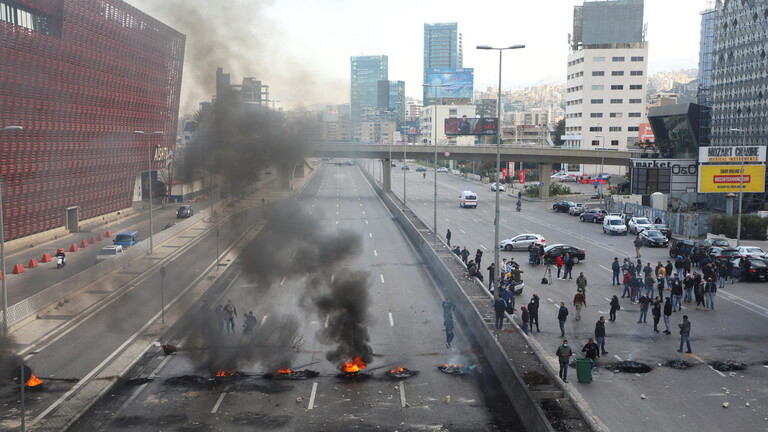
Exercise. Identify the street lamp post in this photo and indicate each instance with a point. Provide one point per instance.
(498, 158)
(2, 245)
(149, 175)
(741, 194)
(434, 142)
(602, 163)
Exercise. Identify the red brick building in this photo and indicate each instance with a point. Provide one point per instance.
(80, 76)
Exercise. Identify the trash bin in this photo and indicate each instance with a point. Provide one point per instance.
(584, 370)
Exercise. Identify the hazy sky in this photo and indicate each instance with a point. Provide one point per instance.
(301, 48)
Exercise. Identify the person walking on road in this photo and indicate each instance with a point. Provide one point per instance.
(578, 303)
(677, 293)
(525, 316)
(499, 306)
(685, 334)
(656, 312)
(616, 268)
(614, 307)
(644, 303)
(448, 308)
(562, 315)
(533, 311)
(591, 351)
(449, 330)
(638, 242)
(581, 285)
(564, 354)
(491, 277)
(478, 257)
(600, 334)
(230, 313)
(448, 237)
(464, 255)
(710, 290)
(667, 315)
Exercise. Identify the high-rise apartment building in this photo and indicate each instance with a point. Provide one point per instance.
(366, 72)
(392, 100)
(442, 49)
(607, 77)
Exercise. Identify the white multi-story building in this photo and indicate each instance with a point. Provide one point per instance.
(607, 79)
(433, 124)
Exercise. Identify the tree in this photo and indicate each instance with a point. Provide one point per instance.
(559, 132)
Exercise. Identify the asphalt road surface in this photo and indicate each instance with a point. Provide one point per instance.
(403, 317)
(686, 400)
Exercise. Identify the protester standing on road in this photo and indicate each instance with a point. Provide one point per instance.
(616, 267)
(677, 293)
(464, 255)
(627, 280)
(581, 285)
(638, 244)
(564, 354)
(559, 264)
(591, 351)
(448, 308)
(667, 314)
(491, 277)
(562, 314)
(600, 334)
(710, 290)
(448, 237)
(525, 316)
(478, 257)
(685, 334)
(568, 267)
(656, 312)
(614, 307)
(533, 310)
(578, 303)
(499, 306)
(644, 303)
(449, 329)
(230, 313)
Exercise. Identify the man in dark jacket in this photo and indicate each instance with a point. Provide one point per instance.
(564, 354)
(685, 334)
(667, 314)
(533, 311)
(524, 317)
(568, 267)
(656, 312)
(448, 237)
(448, 308)
(562, 314)
(616, 268)
(644, 303)
(591, 351)
(491, 277)
(600, 334)
(677, 294)
(499, 306)
(464, 255)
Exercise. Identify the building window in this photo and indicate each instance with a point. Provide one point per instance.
(635, 101)
(636, 73)
(635, 86)
(595, 142)
(617, 87)
(633, 129)
(596, 101)
(598, 73)
(614, 142)
(634, 114)
(616, 115)
(598, 59)
(598, 87)
(595, 128)
(617, 59)
(596, 115)
(617, 73)
(452, 111)
(614, 129)
(617, 101)
(637, 59)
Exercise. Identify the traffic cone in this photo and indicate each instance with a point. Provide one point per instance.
(18, 269)
(46, 258)
(84, 243)
(101, 237)
(33, 263)
(93, 240)
(108, 234)
(73, 248)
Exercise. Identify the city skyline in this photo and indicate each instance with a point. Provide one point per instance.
(302, 48)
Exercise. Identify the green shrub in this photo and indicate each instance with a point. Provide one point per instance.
(753, 227)
(555, 189)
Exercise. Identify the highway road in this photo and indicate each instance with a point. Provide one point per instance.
(686, 400)
(402, 316)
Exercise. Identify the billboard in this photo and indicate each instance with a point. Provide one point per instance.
(646, 133)
(460, 83)
(726, 178)
(732, 154)
(471, 126)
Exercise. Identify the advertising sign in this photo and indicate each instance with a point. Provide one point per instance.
(470, 126)
(732, 154)
(459, 80)
(727, 178)
(646, 133)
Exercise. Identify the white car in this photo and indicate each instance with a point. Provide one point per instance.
(522, 241)
(751, 251)
(442, 169)
(108, 252)
(578, 209)
(500, 186)
(567, 179)
(637, 224)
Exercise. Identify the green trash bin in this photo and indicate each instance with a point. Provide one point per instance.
(584, 370)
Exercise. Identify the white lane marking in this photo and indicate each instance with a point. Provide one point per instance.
(605, 267)
(152, 375)
(282, 281)
(327, 318)
(263, 320)
(483, 247)
(218, 403)
(447, 220)
(363, 211)
(607, 299)
(366, 222)
(462, 231)
(764, 310)
(475, 220)
(375, 253)
(312, 396)
(391, 320)
(550, 300)
(333, 276)
(617, 357)
(709, 366)
(402, 394)
(382, 278)
(360, 204)
(370, 235)
(504, 220)
(337, 222)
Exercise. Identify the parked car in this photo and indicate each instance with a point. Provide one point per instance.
(108, 252)
(499, 185)
(127, 239)
(405, 168)
(522, 242)
(663, 229)
(553, 251)
(577, 209)
(442, 169)
(751, 251)
(593, 215)
(420, 169)
(653, 238)
(184, 211)
(758, 269)
(720, 253)
(613, 224)
(680, 247)
(567, 179)
(394, 164)
(716, 242)
(637, 224)
(562, 206)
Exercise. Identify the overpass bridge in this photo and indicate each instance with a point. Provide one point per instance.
(544, 156)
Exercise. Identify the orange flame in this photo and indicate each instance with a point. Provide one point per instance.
(397, 370)
(34, 381)
(445, 366)
(355, 365)
(224, 373)
(284, 371)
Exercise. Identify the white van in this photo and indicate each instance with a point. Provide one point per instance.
(468, 199)
(613, 224)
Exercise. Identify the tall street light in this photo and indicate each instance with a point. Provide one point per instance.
(741, 192)
(602, 163)
(2, 246)
(434, 142)
(498, 157)
(149, 174)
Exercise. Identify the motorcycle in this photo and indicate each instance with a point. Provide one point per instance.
(517, 287)
(519, 206)
(61, 262)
